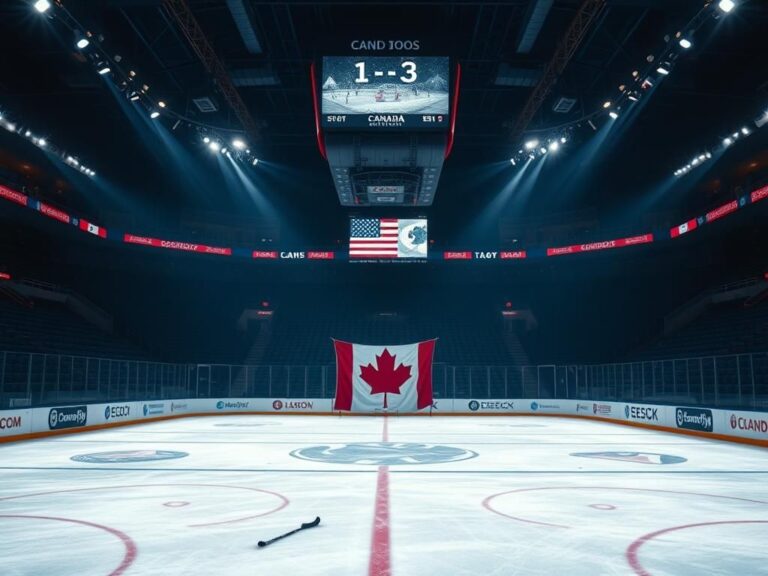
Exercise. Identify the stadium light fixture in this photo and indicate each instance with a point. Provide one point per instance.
(80, 40)
(239, 144)
(613, 114)
(214, 146)
(685, 42)
(41, 142)
(663, 68)
(206, 139)
(745, 131)
(512, 161)
(154, 114)
(727, 141)
(224, 150)
(726, 5)
(554, 146)
(42, 5)
(563, 140)
(543, 150)
(104, 70)
(531, 144)
(255, 161)
(161, 104)
(607, 104)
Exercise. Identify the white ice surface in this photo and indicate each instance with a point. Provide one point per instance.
(555, 513)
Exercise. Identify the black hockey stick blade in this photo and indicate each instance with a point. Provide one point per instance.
(304, 526)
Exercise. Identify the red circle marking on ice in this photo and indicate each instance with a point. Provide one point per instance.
(603, 506)
(487, 501)
(284, 501)
(131, 551)
(175, 503)
(633, 549)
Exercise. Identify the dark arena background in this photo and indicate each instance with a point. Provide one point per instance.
(383, 288)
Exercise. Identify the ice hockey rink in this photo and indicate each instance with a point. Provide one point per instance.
(396, 495)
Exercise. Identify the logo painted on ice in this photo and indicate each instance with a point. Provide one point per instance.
(384, 453)
(123, 456)
(636, 457)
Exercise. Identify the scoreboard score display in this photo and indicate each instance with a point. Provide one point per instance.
(385, 92)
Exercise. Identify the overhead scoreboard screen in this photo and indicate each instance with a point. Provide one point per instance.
(381, 92)
(388, 239)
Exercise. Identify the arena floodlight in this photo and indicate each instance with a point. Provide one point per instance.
(154, 114)
(206, 139)
(42, 5)
(512, 161)
(531, 144)
(161, 104)
(727, 142)
(214, 146)
(663, 68)
(563, 139)
(726, 5)
(745, 131)
(81, 41)
(543, 150)
(27, 133)
(41, 142)
(255, 161)
(607, 104)
(554, 146)
(613, 114)
(104, 70)
(685, 43)
(224, 150)
(239, 144)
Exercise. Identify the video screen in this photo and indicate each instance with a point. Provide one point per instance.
(385, 92)
(388, 238)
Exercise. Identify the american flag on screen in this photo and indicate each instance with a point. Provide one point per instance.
(373, 238)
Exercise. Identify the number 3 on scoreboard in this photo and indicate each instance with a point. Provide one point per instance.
(410, 72)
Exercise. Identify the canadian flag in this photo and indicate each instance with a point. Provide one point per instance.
(91, 228)
(370, 378)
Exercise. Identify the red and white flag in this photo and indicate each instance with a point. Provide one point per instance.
(91, 228)
(371, 378)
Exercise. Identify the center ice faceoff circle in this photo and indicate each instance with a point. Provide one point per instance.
(383, 453)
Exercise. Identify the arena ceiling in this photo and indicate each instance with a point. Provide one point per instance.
(504, 47)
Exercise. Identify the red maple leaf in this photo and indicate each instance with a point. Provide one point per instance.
(385, 378)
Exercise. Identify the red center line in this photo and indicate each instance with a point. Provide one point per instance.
(380, 564)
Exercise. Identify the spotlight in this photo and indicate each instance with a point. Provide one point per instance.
(134, 96)
(161, 104)
(708, 155)
(607, 104)
(80, 40)
(613, 114)
(27, 133)
(633, 96)
(724, 5)
(685, 43)
(214, 146)
(512, 160)
(206, 139)
(224, 150)
(531, 144)
(154, 114)
(745, 131)
(727, 142)
(563, 139)
(255, 161)
(11, 126)
(702, 157)
(42, 5)
(663, 68)
(543, 150)
(41, 142)
(239, 144)
(553, 146)
(104, 70)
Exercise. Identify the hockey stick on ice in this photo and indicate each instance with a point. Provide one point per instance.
(312, 524)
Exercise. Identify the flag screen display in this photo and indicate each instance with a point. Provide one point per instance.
(387, 238)
(385, 92)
